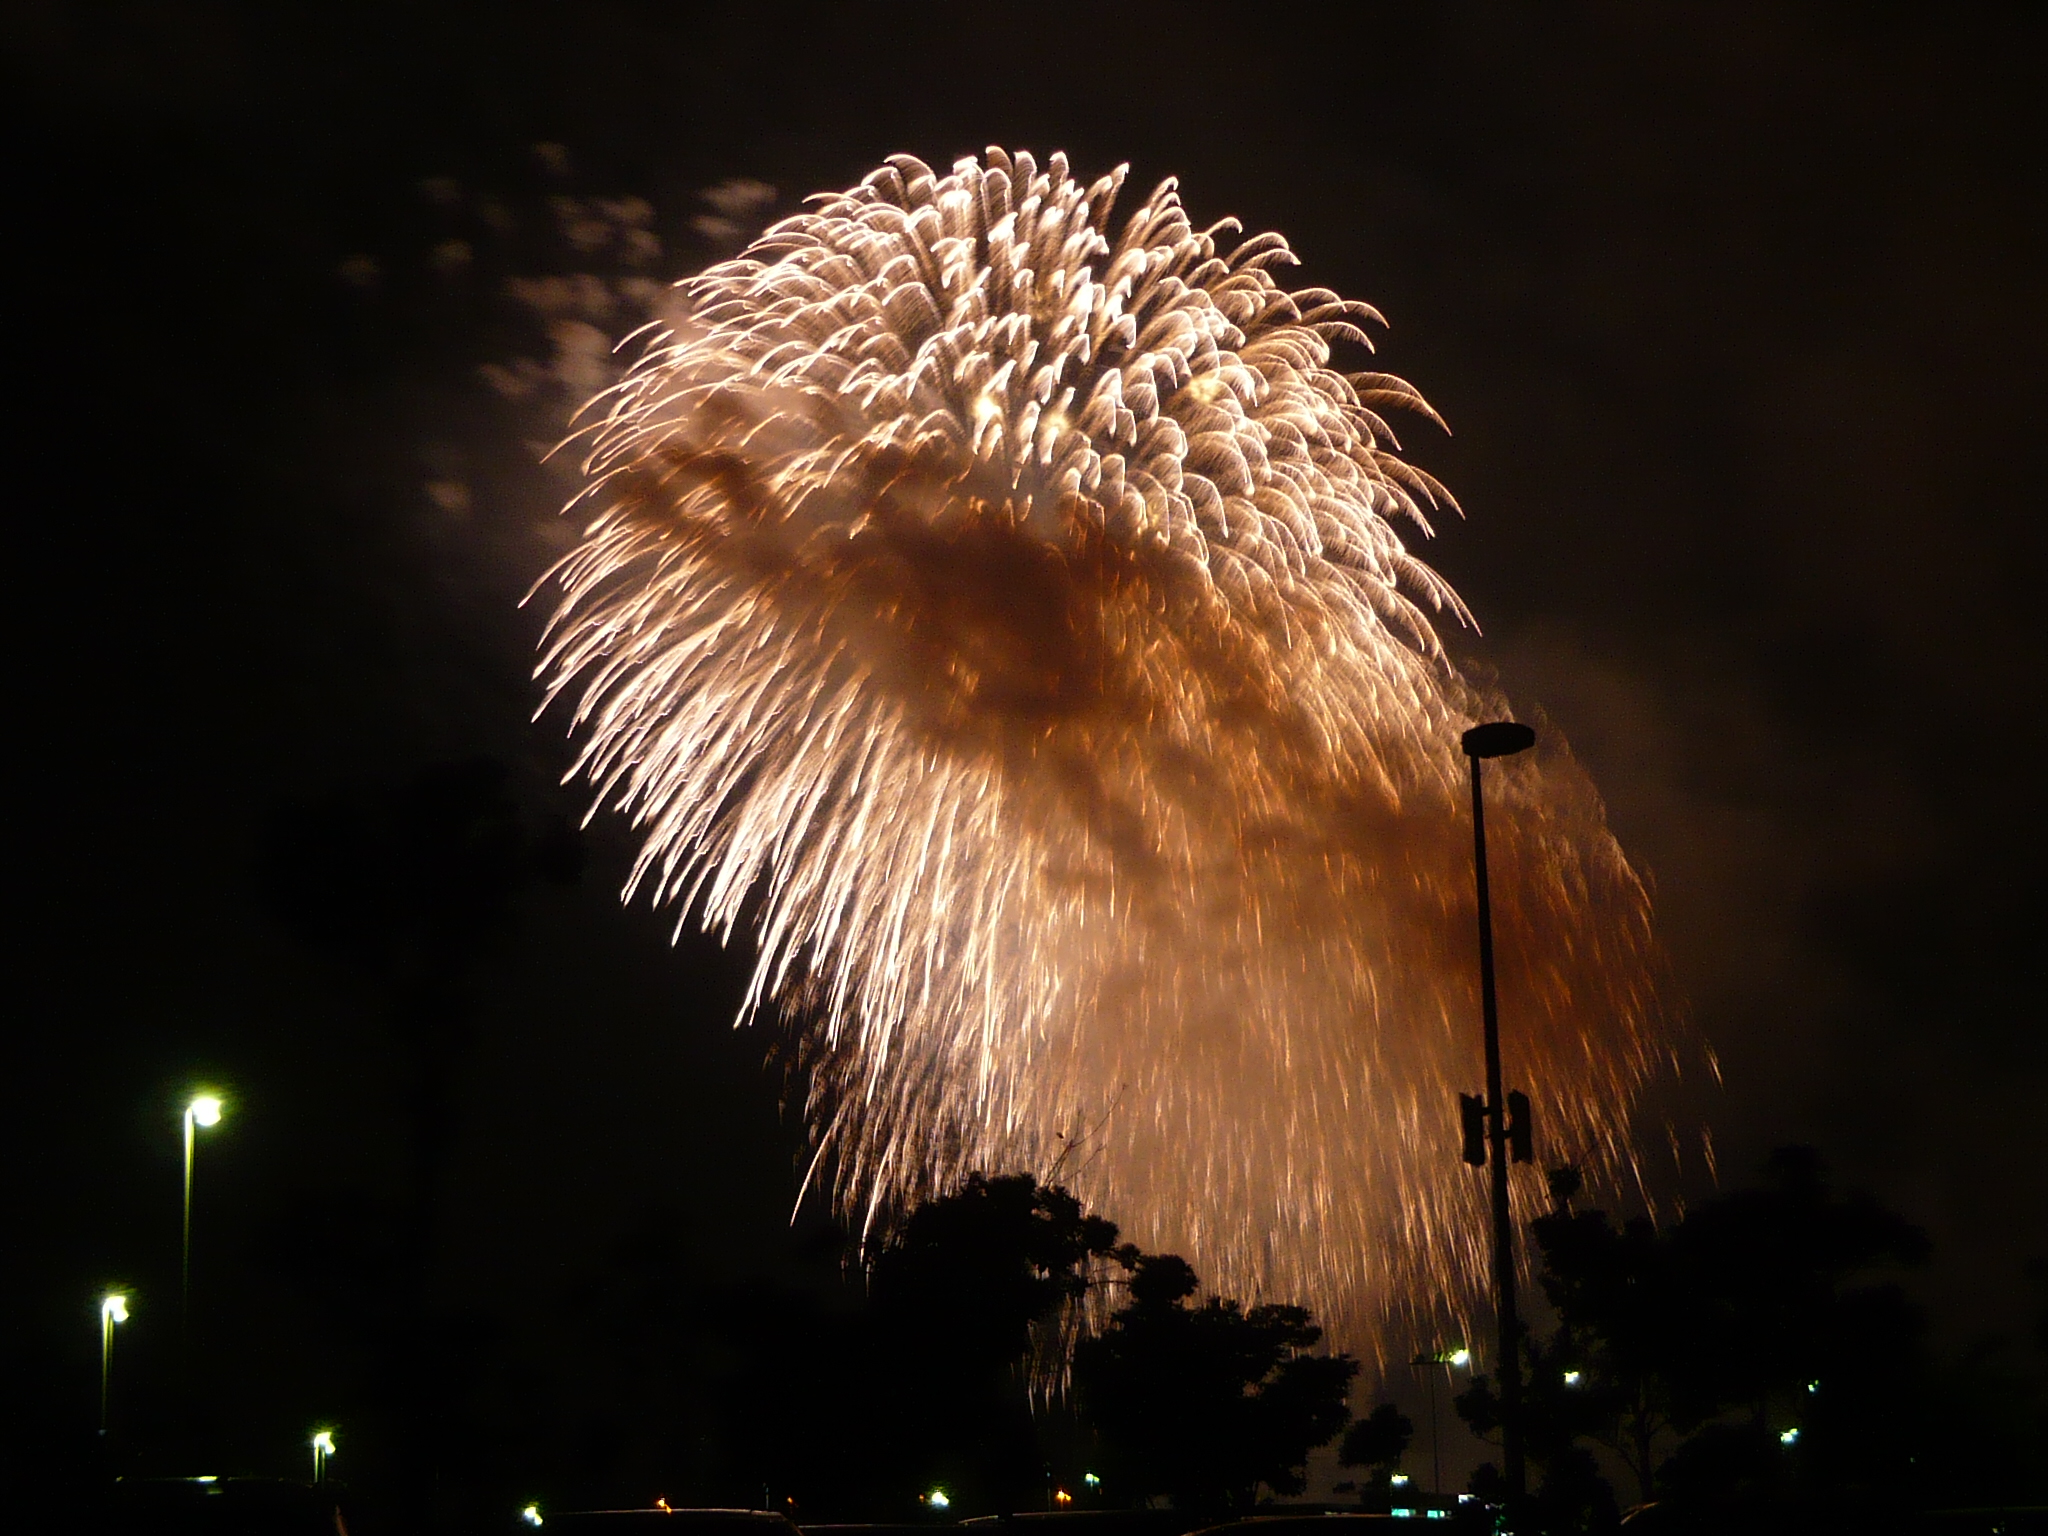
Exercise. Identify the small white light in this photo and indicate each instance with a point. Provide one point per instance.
(531, 1515)
(937, 1499)
(205, 1110)
(1461, 1357)
(1399, 1480)
(1789, 1437)
(1571, 1378)
(115, 1308)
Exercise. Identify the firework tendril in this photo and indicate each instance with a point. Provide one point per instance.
(1001, 612)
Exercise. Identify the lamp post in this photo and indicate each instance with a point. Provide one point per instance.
(323, 1447)
(1456, 1355)
(113, 1310)
(1499, 738)
(204, 1110)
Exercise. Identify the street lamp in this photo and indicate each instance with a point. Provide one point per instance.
(204, 1110)
(1499, 738)
(1457, 1356)
(113, 1309)
(323, 1447)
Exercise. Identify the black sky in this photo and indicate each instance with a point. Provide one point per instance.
(1737, 314)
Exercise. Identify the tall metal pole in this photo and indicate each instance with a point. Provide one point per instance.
(204, 1110)
(113, 1309)
(106, 1364)
(1480, 743)
(1436, 1449)
(185, 1236)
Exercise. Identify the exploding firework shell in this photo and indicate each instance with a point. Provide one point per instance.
(1002, 612)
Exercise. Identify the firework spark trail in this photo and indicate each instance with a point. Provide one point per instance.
(1000, 610)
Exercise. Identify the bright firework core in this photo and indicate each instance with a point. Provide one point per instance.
(1000, 609)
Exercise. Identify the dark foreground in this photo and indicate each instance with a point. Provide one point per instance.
(227, 1506)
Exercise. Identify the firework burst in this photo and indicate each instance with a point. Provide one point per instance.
(1001, 611)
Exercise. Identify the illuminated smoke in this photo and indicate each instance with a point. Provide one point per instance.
(1000, 611)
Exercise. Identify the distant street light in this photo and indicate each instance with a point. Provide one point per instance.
(531, 1515)
(113, 1309)
(202, 1111)
(1457, 1356)
(323, 1447)
(1499, 738)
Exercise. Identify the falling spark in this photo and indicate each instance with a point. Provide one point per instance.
(1001, 612)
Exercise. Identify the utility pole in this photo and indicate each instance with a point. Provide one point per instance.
(1500, 738)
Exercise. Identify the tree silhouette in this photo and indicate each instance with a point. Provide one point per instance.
(1751, 1351)
(1205, 1402)
(1376, 1443)
(962, 1302)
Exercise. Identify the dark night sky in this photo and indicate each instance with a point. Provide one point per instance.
(1737, 314)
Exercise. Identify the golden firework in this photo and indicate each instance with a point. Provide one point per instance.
(1002, 612)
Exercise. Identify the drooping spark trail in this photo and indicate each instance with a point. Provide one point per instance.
(1000, 609)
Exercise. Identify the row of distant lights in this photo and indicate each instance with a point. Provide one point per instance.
(1785, 1437)
(939, 1499)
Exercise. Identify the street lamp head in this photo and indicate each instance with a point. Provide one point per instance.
(1460, 1357)
(324, 1442)
(114, 1309)
(1497, 738)
(205, 1110)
